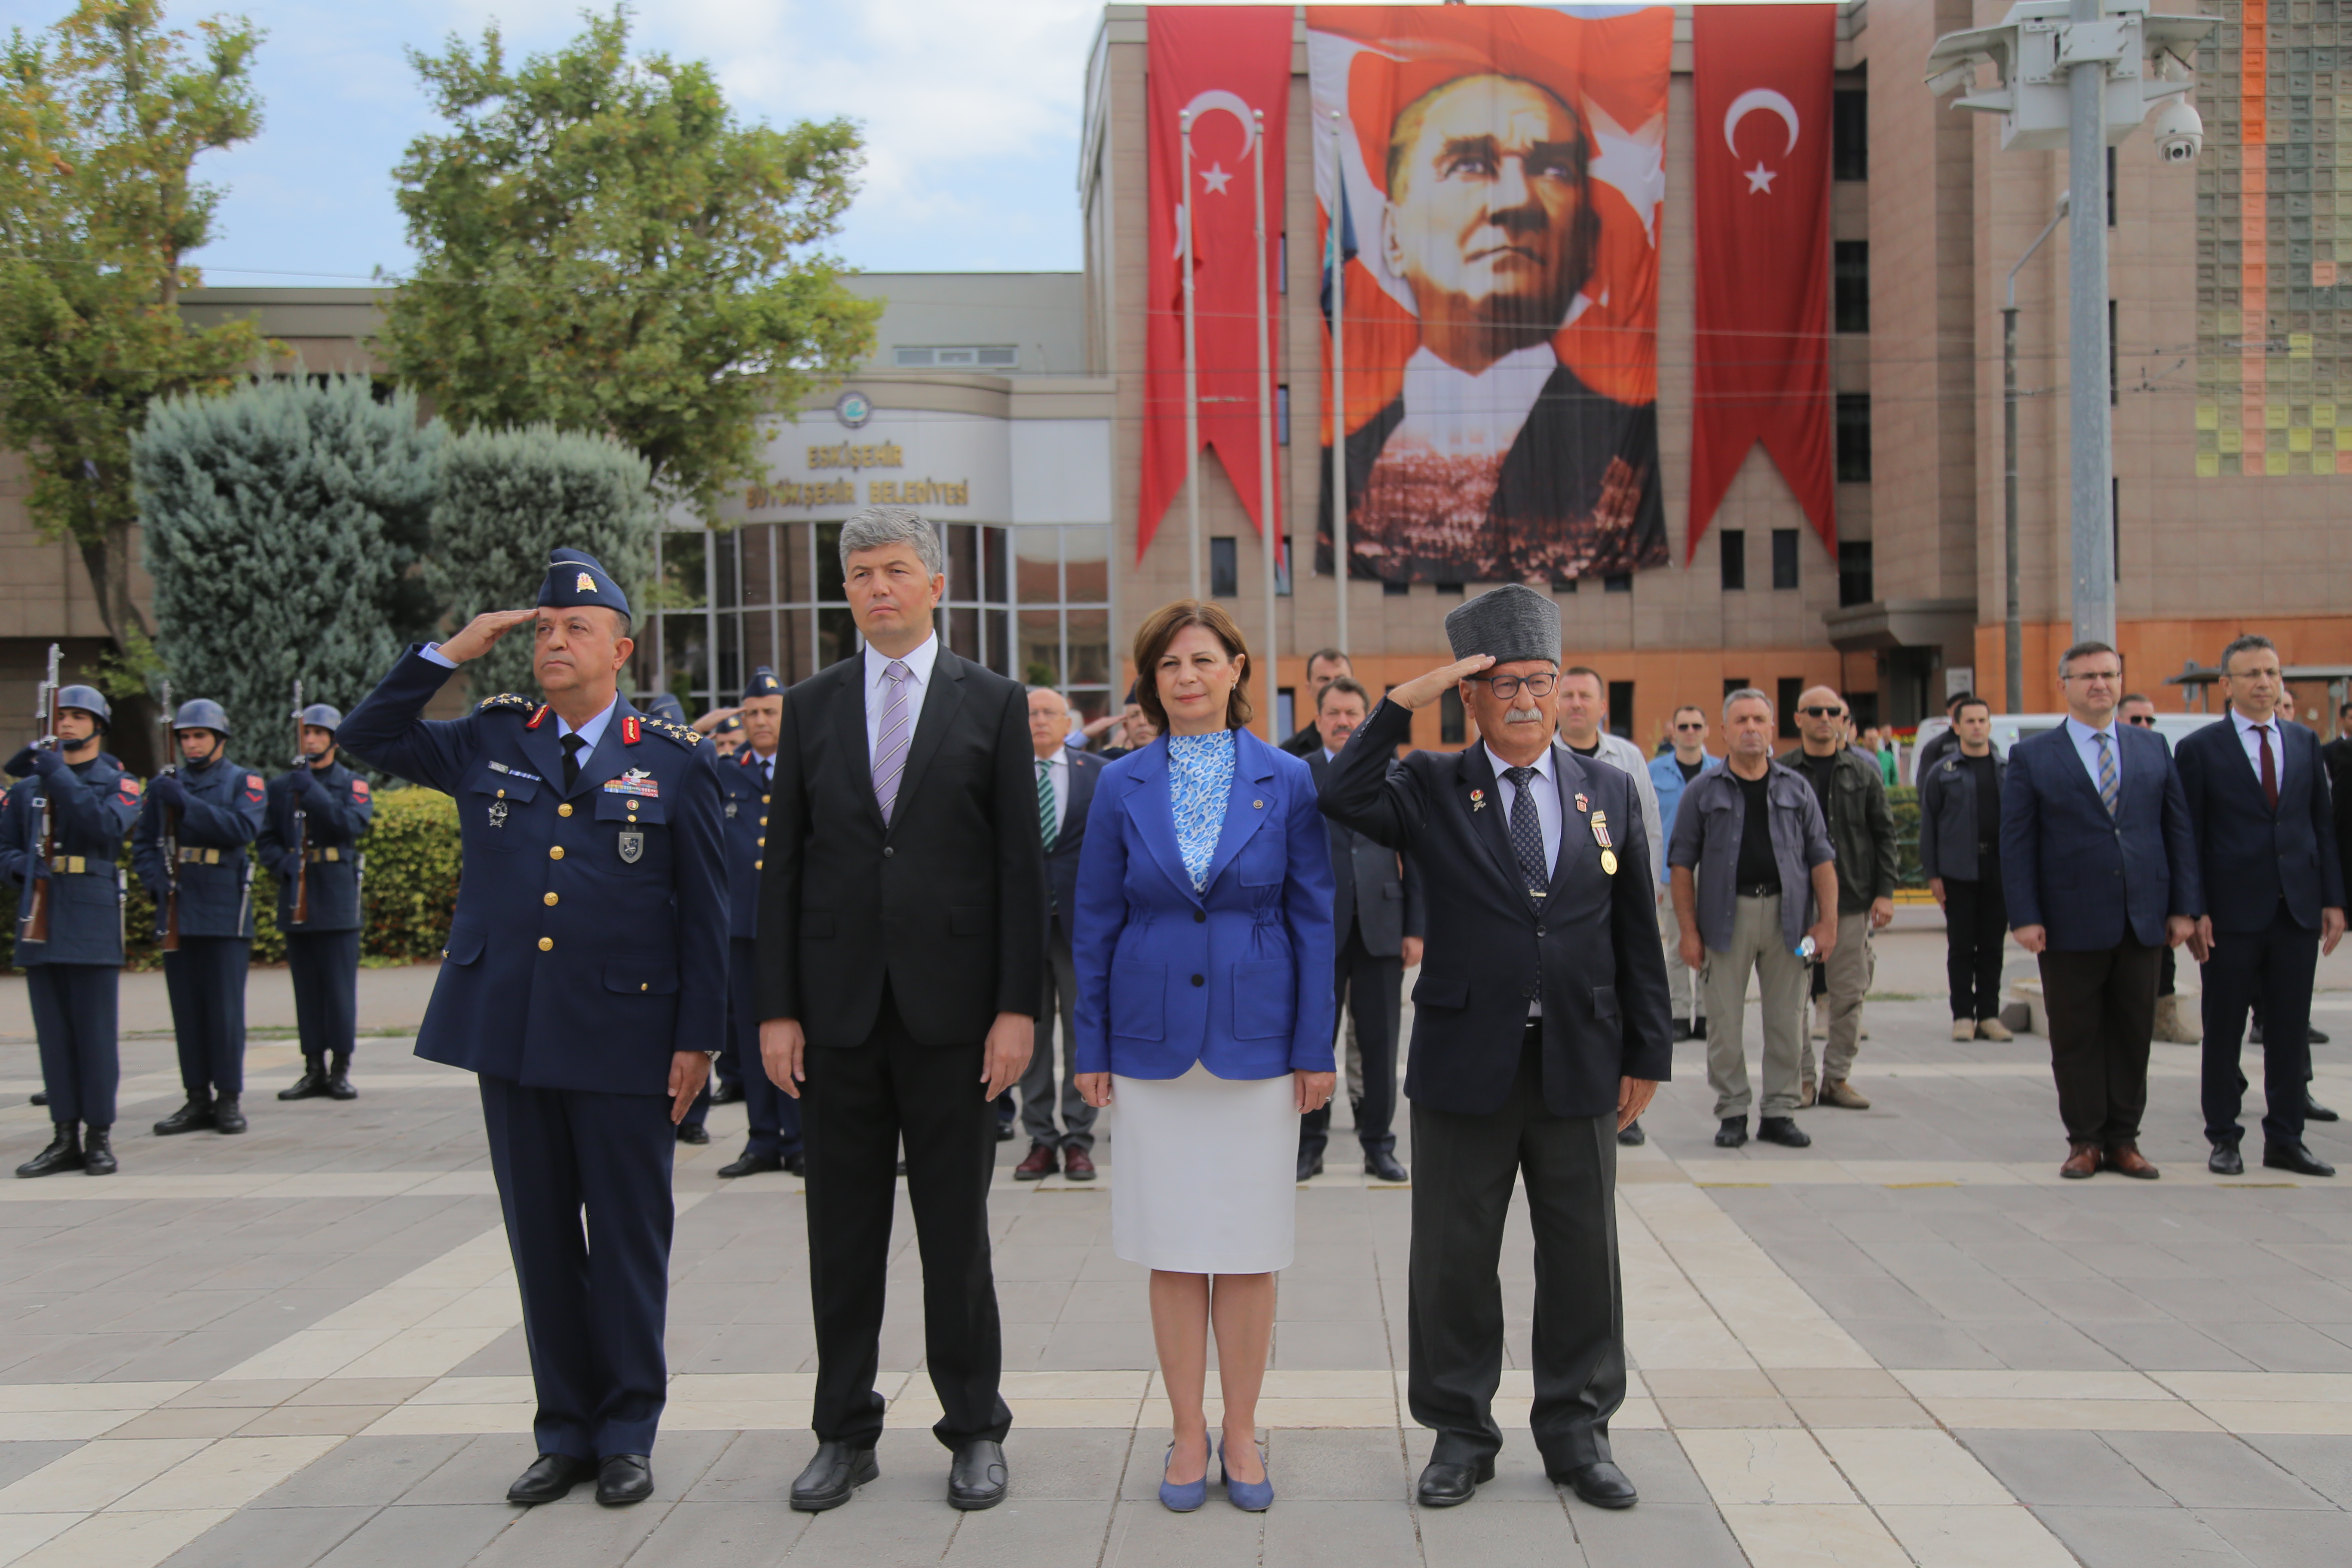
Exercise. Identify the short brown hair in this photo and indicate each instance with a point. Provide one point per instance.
(1343, 686)
(2084, 650)
(1586, 670)
(1159, 629)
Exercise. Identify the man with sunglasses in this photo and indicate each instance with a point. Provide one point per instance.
(1862, 829)
(1670, 775)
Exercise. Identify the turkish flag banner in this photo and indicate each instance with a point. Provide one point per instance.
(1761, 253)
(1220, 63)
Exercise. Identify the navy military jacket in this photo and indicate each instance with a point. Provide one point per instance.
(336, 810)
(91, 813)
(221, 819)
(746, 799)
(590, 932)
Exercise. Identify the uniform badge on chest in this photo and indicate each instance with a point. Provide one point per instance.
(498, 814)
(730, 811)
(633, 847)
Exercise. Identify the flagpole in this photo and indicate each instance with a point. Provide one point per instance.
(1265, 485)
(1339, 382)
(1192, 369)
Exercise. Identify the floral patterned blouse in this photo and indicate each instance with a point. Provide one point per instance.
(1200, 783)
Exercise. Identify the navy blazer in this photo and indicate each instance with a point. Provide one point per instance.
(2083, 876)
(91, 805)
(2289, 853)
(1062, 859)
(1237, 978)
(222, 817)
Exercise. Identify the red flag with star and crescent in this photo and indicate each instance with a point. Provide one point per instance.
(1221, 62)
(1761, 251)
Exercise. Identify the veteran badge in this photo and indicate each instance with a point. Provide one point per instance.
(633, 847)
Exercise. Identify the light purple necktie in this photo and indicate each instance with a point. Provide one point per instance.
(890, 741)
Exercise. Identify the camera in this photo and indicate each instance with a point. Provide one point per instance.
(2178, 130)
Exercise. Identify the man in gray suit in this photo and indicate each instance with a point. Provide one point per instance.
(1376, 921)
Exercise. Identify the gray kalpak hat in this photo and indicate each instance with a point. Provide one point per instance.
(1512, 621)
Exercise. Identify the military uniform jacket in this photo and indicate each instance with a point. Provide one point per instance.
(220, 820)
(90, 814)
(336, 810)
(590, 930)
(745, 801)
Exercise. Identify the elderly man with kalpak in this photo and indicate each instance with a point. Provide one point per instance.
(1540, 1029)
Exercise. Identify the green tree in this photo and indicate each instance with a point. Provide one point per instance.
(602, 246)
(101, 121)
(508, 498)
(283, 525)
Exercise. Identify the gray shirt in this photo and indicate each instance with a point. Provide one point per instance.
(1706, 839)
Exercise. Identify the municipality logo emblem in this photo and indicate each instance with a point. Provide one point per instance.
(853, 409)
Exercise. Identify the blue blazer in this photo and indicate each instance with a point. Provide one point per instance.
(2084, 876)
(1085, 775)
(1237, 978)
(2289, 853)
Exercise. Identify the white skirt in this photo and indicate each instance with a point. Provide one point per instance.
(1205, 1173)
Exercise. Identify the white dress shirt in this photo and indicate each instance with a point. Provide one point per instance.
(877, 688)
(2087, 748)
(1058, 766)
(2253, 745)
(590, 732)
(1547, 801)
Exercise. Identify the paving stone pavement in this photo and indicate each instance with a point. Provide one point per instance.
(1910, 1343)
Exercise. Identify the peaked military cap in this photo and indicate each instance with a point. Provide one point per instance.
(1512, 621)
(89, 700)
(322, 716)
(575, 578)
(763, 683)
(665, 705)
(729, 725)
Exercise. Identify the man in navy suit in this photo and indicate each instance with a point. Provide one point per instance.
(1065, 792)
(584, 984)
(2098, 864)
(2259, 801)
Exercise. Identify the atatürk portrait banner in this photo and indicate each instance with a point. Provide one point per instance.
(1496, 176)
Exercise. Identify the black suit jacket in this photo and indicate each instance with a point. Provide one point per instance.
(1592, 954)
(1308, 742)
(1374, 885)
(2338, 754)
(1062, 860)
(2257, 856)
(948, 903)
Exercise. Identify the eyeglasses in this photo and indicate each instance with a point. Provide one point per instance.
(1822, 712)
(1507, 687)
(2145, 720)
(1701, 725)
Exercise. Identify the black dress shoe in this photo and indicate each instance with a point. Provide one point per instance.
(1004, 1134)
(688, 1132)
(2314, 1111)
(796, 1164)
(1632, 1136)
(725, 1093)
(2314, 1038)
(191, 1116)
(1681, 1030)
(64, 1152)
(2225, 1161)
(1382, 1166)
(1309, 1165)
(98, 1152)
(1784, 1131)
(311, 1085)
(624, 1479)
(550, 1477)
(837, 1470)
(751, 1165)
(338, 1078)
(39, 1097)
(1698, 1028)
(978, 1476)
(227, 1117)
(1732, 1133)
(1445, 1484)
(2254, 1034)
(1601, 1483)
(2296, 1158)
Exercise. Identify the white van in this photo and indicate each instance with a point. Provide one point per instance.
(2009, 729)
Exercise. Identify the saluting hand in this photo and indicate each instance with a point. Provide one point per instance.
(1424, 690)
(482, 631)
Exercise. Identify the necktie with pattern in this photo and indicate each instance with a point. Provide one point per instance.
(2110, 784)
(1046, 804)
(890, 741)
(572, 744)
(2270, 766)
(1526, 832)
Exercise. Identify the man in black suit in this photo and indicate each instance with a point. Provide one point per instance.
(1324, 666)
(1540, 1028)
(2259, 802)
(1376, 913)
(1065, 791)
(902, 936)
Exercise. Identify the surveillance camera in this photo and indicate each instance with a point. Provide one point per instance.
(2178, 130)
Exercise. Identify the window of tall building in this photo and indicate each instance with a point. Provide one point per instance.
(1849, 134)
(1852, 294)
(1784, 558)
(1224, 567)
(1734, 543)
(1852, 437)
(1395, 590)
(1564, 585)
(929, 357)
(1855, 583)
(1452, 727)
(1791, 687)
(1621, 709)
(1455, 589)
(1617, 582)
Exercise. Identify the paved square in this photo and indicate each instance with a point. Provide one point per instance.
(1910, 1343)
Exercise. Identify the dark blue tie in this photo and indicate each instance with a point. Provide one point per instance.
(1526, 832)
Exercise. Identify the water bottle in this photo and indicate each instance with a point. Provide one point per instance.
(1806, 949)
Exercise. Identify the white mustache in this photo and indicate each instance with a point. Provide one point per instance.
(1522, 716)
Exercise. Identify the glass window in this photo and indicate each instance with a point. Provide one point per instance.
(1854, 577)
(1849, 134)
(1733, 542)
(1792, 687)
(1086, 565)
(1853, 285)
(1224, 567)
(1041, 648)
(1038, 566)
(1784, 558)
(1853, 437)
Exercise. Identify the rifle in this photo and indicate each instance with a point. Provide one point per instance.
(301, 823)
(36, 892)
(168, 821)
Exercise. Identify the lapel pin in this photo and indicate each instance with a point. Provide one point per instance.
(1583, 803)
(1477, 800)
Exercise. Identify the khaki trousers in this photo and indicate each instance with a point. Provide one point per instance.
(1684, 991)
(1853, 963)
(1756, 948)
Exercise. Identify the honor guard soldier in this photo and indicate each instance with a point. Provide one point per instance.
(584, 982)
(190, 852)
(775, 1142)
(312, 818)
(78, 801)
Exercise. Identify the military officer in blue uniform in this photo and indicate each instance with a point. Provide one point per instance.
(71, 978)
(216, 805)
(774, 1143)
(585, 981)
(729, 733)
(322, 952)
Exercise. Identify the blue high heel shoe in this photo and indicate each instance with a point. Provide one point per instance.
(1187, 1498)
(1250, 1497)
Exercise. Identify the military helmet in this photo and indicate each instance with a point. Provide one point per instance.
(322, 716)
(202, 713)
(89, 700)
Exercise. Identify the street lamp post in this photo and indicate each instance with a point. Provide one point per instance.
(2013, 624)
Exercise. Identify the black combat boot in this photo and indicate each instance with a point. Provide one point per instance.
(196, 1113)
(226, 1117)
(338, 1078)
(64, 1153)
(311, 1085)
(98, 1152)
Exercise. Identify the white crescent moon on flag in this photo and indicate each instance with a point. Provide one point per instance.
(1746, 103)
(1234, 104)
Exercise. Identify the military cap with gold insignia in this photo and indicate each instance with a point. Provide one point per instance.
(763, 683)
(574, 578)
(665, 705)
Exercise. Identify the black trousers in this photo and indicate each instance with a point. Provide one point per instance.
(2102, 1009)
(205, 980)
(1372, 988)
(857, 1103)
(593, 1301)
(1464, 1168)
(774, 1116)
(325, 969)
(74, 1009)
(1976, 923)
(2272, 968)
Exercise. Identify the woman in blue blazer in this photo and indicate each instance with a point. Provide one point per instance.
(1204, 949)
